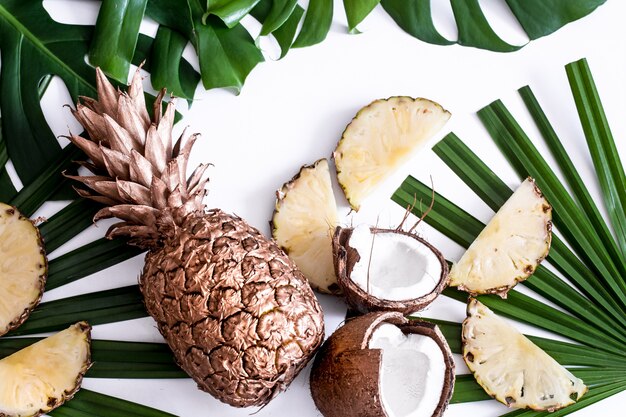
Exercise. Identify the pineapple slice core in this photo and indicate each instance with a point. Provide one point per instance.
(512, 368)
(44, 375)
(303, 223)
(22, 268)
(510, 247)
(412, 372)
(380, 138)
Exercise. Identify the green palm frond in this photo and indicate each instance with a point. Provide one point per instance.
(590, 290)
(92, 404)
(116, 359)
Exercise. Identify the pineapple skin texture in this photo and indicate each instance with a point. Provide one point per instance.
(239, 316)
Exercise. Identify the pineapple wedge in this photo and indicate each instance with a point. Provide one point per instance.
(303, 224)
(42, 376)
(510, 247)
(513, 369)
(380, 138)
(23, 268)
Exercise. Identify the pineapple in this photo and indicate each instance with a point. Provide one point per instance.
(239, 316)
(303, 224)
(23, 268)
(380, 138)
(44, 375)
(510, 247)
(513, 369)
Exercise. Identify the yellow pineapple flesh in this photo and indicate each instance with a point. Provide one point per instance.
(42, 376)
(510, 247)
(23, 268)
(303, 223)
(513, 369)
(381, 137)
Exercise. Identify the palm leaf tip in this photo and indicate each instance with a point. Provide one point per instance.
(587, 254)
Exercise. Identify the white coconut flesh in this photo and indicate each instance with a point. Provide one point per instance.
(412, 372)
(41, 376)
(512, 368)
(510, 247)
(22, 266)
(393, 266)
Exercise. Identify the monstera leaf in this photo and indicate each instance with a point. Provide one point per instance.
(588, 251)
(32, 48)
(228, 53)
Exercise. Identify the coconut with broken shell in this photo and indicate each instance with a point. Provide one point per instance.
(387, 269)
(383, 365)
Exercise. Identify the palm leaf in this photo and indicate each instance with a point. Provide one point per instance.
(604, 154)
(115, 359)
(87, 260)
(595, 265)
(67, 223)
(92, 404)
(494, 193)
(602, 256)
(101, 307)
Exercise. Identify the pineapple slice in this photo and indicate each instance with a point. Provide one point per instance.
(380, 138)
(513, 369)
(303, 224)
(23, 268)
(44, 375)
(510, 247)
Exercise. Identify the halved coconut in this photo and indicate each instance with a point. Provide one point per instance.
(380, 138)
(44, 375)
(388, 270)
(303, 222)
(510, 247)
(382, 365)
(511, 368)
(23, 268)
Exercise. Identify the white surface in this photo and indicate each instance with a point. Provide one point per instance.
(393, 266)
(292, 112)
(413, 372)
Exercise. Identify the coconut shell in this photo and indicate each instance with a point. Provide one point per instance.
(346, 374)
(345, 257)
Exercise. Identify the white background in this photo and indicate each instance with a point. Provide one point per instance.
(292, 112)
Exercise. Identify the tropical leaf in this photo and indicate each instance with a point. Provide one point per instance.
(33, 47)
(601, 256)
(113, 43)
(230, 11)
(415, 18)
(228, 53)
(87, 260)
(115, 359)
(604, 154)
(538, 18)
(92, 404)
(67, 223)
(317, 21)
(286, 32)
(593, 266)
(101, 307)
